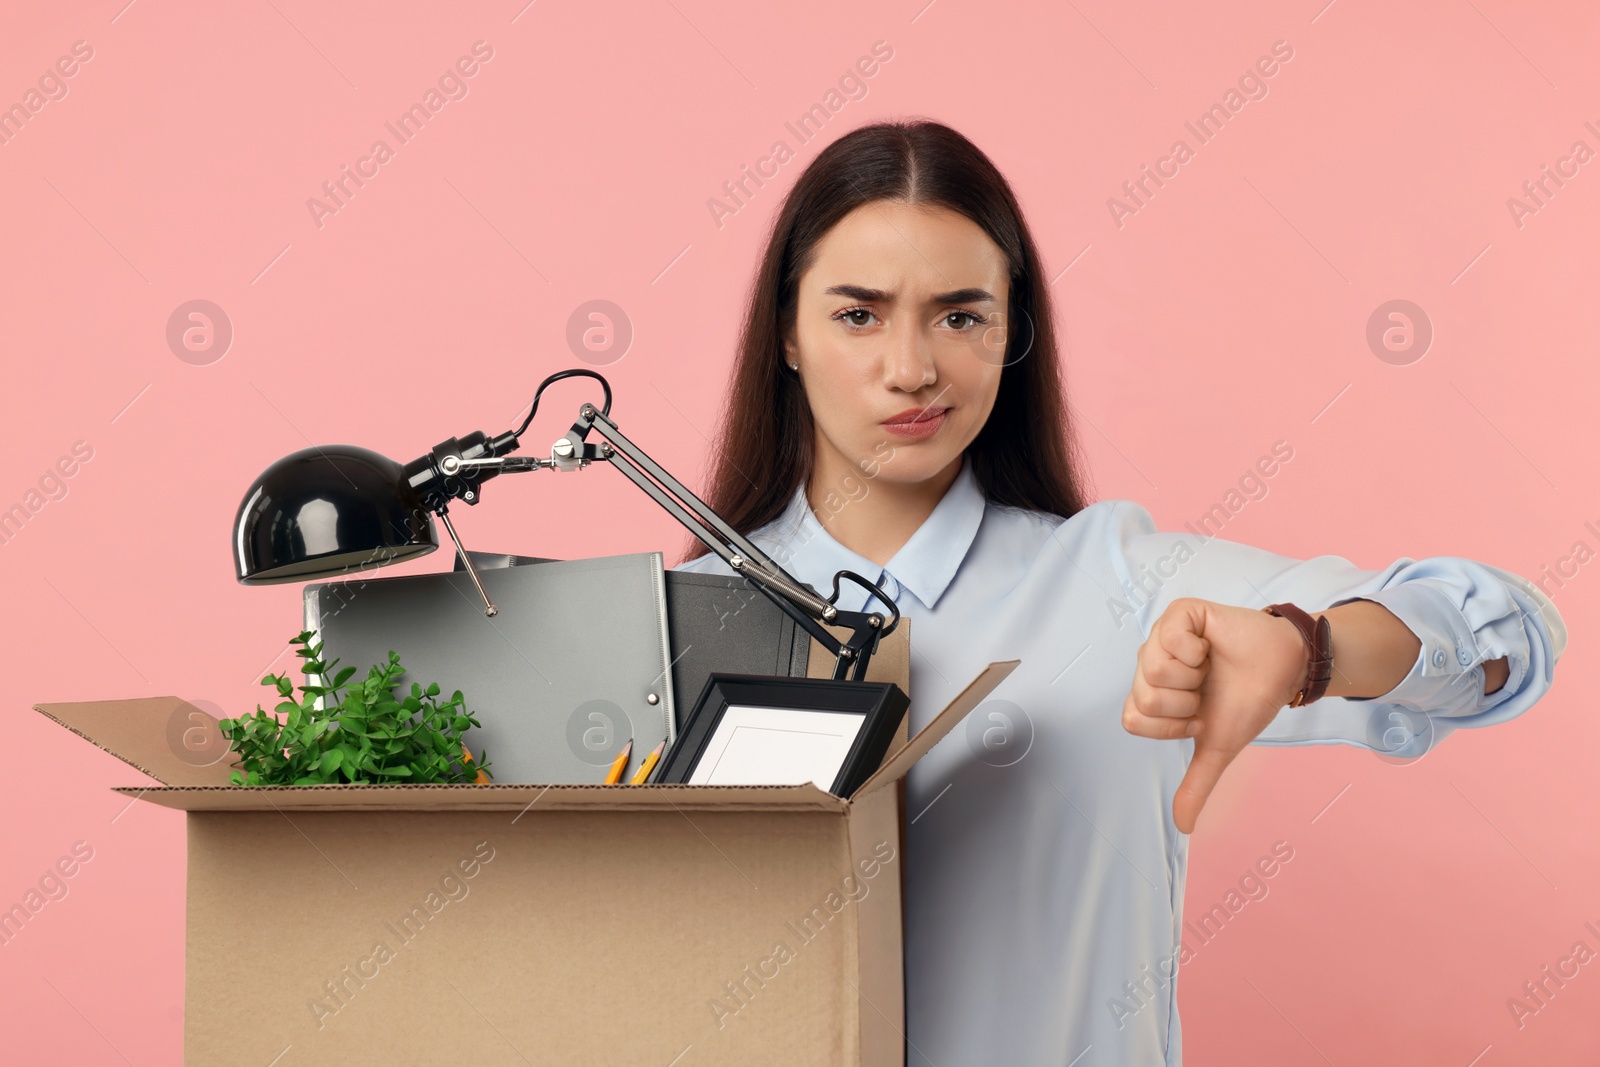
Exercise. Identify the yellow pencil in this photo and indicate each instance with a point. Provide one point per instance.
(466, 754)
(620, 764)
(648, 765)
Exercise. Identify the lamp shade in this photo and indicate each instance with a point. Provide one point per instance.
(328, 510)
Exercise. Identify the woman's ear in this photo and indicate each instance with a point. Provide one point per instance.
(791, 354)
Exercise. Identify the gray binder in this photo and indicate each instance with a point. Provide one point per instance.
(560, 678)
(715, 622)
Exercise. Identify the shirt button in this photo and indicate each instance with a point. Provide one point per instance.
(1438, 657)
(1464, 657)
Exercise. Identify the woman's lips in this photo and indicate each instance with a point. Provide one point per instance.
(920, 426)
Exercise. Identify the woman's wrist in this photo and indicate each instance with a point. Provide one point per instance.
(1373, 649)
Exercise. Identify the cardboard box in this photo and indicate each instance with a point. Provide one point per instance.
(524, 924)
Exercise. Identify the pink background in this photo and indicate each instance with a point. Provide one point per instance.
(1229, 312)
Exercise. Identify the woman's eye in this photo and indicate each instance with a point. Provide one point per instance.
(858, 318)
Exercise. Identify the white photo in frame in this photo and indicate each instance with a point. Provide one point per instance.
(777, 746)
(761, 730)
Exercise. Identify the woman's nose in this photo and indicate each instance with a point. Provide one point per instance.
(909, 359)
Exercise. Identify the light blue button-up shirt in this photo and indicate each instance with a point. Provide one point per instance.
(1044, 876)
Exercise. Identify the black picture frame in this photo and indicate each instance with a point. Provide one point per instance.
(883, 704)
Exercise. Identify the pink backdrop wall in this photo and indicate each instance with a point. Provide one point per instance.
(1229, 311)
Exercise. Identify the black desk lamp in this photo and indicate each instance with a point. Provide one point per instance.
(330, 510)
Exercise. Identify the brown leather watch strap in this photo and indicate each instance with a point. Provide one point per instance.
(1318, 636)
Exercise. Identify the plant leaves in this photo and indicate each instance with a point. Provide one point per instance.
(372, 731)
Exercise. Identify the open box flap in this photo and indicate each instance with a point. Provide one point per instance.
(148, 733)
(441, 796)
(898, 764)
(153, 734)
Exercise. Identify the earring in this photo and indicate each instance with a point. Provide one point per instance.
(794, 366)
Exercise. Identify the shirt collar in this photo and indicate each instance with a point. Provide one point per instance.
(924, 566)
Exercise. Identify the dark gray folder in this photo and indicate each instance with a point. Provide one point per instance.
(560, 678)
(715, 622)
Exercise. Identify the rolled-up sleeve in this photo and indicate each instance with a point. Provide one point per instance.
(1464, 613)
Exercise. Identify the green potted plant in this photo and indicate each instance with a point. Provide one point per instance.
(366, 735)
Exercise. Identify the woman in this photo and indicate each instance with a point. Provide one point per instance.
(896, 410)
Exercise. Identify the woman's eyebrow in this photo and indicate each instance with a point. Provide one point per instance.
(970, 295)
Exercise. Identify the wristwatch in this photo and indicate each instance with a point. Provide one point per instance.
(1318, 636)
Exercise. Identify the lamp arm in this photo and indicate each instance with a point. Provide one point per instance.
(743, 557)
(794, 598)
(738, 551)
(743, 551)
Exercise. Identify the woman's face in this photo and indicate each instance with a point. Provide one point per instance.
(900, 336)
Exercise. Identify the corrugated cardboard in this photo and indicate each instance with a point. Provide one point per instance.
(520, 924)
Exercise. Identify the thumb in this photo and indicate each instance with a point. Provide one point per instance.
(1205, 770)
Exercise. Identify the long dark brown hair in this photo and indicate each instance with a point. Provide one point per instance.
(1025, 456)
